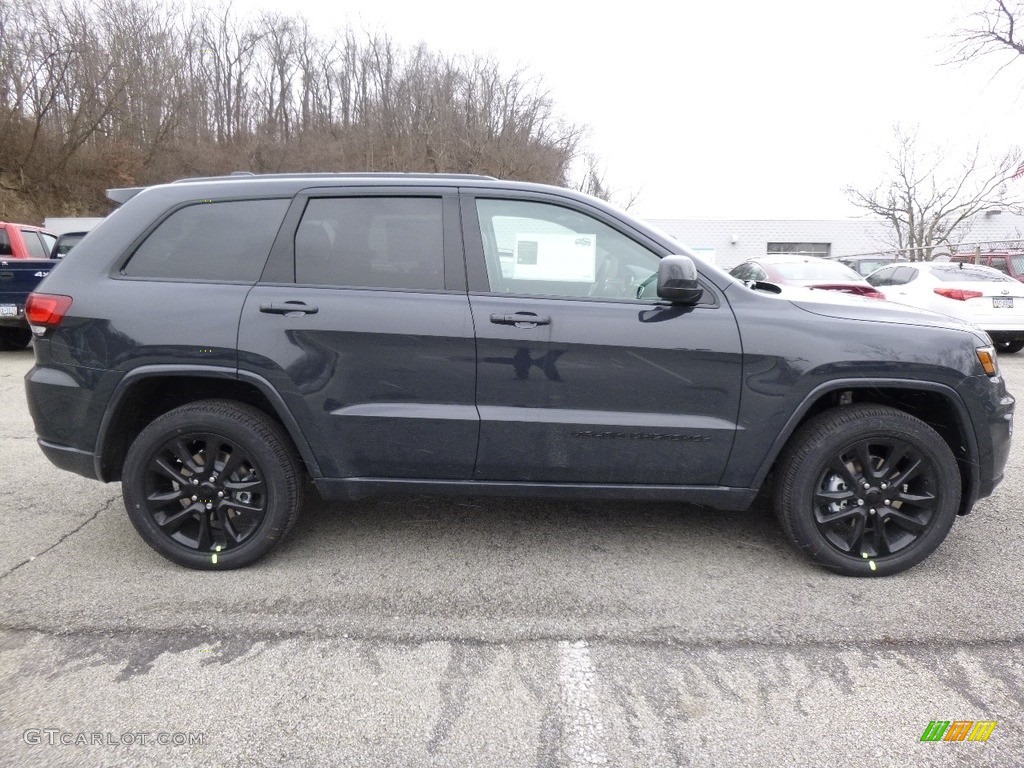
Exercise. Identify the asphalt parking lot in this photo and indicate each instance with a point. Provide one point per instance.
(421, 632)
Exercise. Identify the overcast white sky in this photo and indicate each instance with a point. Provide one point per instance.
(742, 109)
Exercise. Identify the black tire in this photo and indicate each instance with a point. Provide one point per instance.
(212, 511)
(1009, 347)
(873, 521)
(14, 338)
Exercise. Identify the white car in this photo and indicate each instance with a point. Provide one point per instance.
(986, 297)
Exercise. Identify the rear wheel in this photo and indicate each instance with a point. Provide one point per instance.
(1009, 347)
(867, 490)
(212, 485)
(14, 338)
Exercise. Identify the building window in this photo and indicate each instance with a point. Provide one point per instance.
(801, 249)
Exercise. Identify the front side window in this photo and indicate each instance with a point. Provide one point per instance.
(371, 242)
(541, 249)
(221, 241)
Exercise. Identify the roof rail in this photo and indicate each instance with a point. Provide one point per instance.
(342, 175)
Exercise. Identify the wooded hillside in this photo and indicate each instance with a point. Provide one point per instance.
(134, 92)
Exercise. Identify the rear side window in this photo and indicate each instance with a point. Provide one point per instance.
(371, 242)
(5, 243)
(223, 241)
(34, 245)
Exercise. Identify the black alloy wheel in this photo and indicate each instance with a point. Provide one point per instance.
(868, 490)
(212, 485)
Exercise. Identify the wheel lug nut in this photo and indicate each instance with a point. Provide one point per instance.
(860, 502)
(871, 511)
(220, 494)
(195, 498)
(195, 481)
(884, 486)
(887, 502)
(210, 506)
(867, 485)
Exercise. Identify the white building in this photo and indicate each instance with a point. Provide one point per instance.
(728, 242)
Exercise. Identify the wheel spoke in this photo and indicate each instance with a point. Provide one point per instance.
(891, 463)
(840, 468)
(253, 485)
(204, 539)
(163, 497)
(866, 460)
(906, 522)
(234, 461)
(161, 464)
(186, 456)
(172, 523)
(832, 497)
(916, 499)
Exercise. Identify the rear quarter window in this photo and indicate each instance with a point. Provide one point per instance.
(219, 241)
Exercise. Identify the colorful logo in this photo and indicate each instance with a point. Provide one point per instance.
(958, 730)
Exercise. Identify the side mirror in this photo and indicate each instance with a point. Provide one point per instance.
(677, 280)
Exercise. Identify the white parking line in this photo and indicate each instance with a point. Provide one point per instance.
(582, 744)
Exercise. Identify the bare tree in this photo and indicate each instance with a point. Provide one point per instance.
(995, 29)
(930, 200)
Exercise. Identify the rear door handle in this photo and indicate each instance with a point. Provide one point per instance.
(288, 308)
(521, 319)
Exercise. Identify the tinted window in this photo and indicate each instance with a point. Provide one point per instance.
(882, 277)
(5, 243)
(34, 245)
(1000, 264)
(66, 242)
(371, 242)
(541, 249)
(903, 275)
(225, 241)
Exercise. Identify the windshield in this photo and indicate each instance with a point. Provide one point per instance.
(815, 270)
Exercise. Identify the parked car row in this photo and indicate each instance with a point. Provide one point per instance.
(979, 294)
(27, 255)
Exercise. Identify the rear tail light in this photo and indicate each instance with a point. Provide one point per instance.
(855, 290)
(958, 294)
(45, 310)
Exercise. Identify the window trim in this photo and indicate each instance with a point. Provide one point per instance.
(476, 259)
(116, 271)
(280, 266)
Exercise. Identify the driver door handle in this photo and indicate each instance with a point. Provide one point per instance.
(289, 308)
(521, 320)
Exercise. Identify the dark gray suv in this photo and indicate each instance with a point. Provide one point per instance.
(217, 342)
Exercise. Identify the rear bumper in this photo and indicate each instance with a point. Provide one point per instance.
(70, 459)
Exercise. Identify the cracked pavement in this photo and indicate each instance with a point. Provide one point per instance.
(419, 632)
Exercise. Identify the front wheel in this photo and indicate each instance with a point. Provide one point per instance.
(212, 485)
(867, 490)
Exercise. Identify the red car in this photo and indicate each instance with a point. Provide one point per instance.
(23, 241)
(805, 272)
